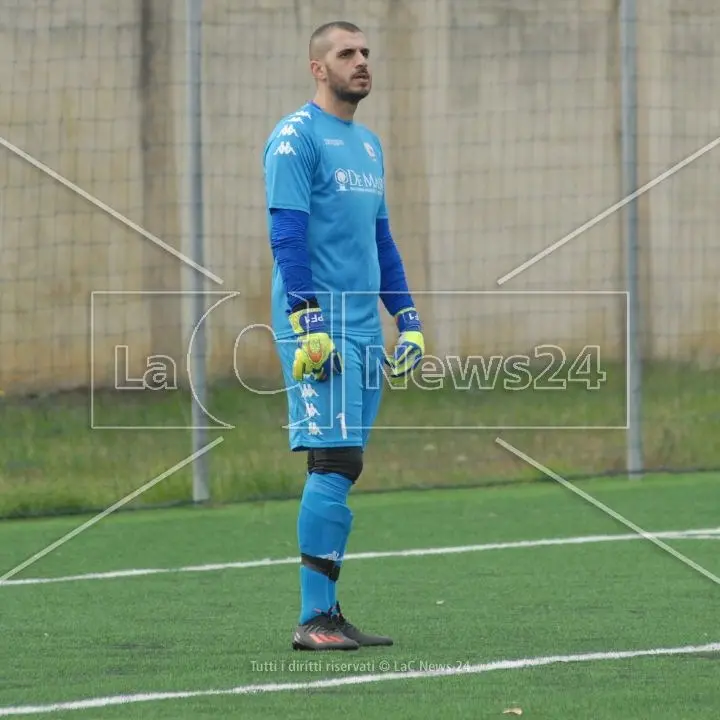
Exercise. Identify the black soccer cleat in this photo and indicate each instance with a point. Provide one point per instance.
(322, 633)
(350, 631)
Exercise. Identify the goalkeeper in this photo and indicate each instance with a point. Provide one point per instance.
(334, 258)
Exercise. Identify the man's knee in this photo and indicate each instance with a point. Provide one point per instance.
(345, 461)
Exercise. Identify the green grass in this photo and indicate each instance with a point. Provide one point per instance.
(53, 461)
(217, 630)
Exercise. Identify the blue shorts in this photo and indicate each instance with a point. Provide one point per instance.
(341, 411)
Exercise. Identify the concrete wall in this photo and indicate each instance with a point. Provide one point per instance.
(500, 120)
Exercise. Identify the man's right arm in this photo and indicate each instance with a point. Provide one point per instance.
(289, 167)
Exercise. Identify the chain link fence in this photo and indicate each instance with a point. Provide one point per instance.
(136, 266)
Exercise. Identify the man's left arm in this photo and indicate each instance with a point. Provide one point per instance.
(397, 299)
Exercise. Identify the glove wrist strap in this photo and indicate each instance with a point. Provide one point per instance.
(408, 319)
(308, 321)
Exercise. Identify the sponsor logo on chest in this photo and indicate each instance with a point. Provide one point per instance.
(349, 180)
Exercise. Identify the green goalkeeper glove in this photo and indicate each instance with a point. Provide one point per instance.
(316, 354)
(409, 348)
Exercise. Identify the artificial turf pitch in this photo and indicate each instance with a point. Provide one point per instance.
(477, 589)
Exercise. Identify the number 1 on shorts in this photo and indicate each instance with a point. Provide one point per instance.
(343, 426)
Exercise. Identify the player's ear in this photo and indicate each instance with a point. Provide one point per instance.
(318, 70)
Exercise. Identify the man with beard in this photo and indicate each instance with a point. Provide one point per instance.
(334, 257)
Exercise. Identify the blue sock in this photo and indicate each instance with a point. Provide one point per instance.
(332, 586)
(323, 526)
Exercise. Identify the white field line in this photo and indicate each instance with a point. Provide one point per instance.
(704, 533)
(609, 511)
(373, 677)
(108, 511)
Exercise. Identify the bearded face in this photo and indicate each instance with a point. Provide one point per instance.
(344, 66)
(349, 83)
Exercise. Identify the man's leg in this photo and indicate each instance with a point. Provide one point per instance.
(335, 470)
(319, 415)
(371, 396)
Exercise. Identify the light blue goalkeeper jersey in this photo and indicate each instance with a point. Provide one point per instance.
(333, 170)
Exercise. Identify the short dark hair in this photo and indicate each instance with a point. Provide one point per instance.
(323, 30)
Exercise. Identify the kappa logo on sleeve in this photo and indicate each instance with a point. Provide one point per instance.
(284, 148)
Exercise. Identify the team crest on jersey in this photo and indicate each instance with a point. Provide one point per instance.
(370, 151)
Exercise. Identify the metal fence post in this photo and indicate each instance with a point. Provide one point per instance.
(628, 82)
(201, 489)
